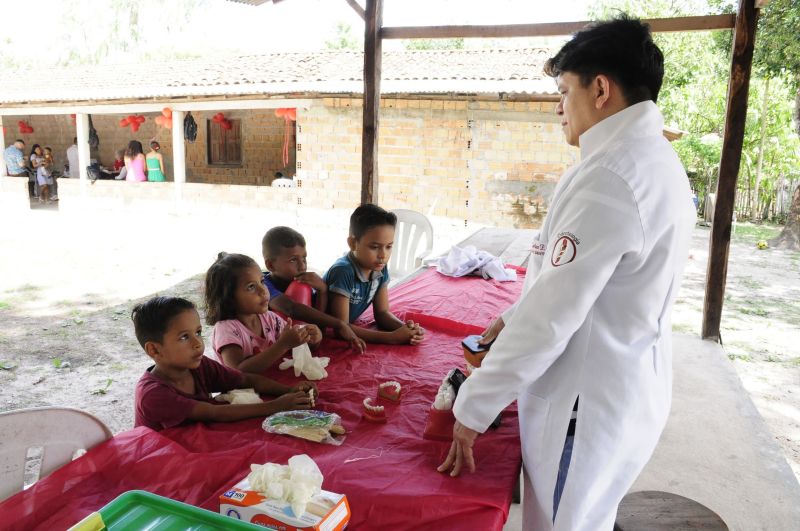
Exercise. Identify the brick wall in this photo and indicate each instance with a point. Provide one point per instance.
(484, 161)
(491, 162)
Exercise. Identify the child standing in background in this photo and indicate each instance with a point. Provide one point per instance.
(247, 336)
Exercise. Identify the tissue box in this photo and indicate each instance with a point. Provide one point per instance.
(327, 511)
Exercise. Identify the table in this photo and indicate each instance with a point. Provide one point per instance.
(387, 471)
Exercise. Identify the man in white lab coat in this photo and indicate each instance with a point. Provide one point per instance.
(592, 326)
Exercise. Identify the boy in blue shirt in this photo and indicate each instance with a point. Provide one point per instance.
(360, 278)
(284, 251)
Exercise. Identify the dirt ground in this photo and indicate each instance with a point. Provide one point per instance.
(68, 281)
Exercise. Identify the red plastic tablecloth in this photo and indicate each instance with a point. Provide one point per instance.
(387, 470)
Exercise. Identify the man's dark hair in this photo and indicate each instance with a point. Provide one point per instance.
(151, 319)
(367, 217)
(621, 49)
(220, 286)
(278, 238)
(20, 141)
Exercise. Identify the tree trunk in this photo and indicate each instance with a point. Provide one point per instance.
(789, 238)
(760, 164)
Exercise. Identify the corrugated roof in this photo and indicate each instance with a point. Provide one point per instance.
(513, 71)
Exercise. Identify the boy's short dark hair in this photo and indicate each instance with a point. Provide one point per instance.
(151, 319)
(369, 216)
(278, 238)
(621, 49)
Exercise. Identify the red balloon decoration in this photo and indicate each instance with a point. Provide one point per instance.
(166, 112)
(218, 118)
(291, 114)
(24, 127)
(135, 121)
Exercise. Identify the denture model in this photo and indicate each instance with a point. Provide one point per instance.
(374, 413)
(389, 390)
(311, 396)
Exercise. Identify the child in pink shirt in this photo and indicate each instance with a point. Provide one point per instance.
(247, 336)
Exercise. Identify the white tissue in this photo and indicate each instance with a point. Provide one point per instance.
(463, 261)
(240, 396)
(295, 483)
(304, 363)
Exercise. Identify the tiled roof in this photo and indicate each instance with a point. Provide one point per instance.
(513, 71)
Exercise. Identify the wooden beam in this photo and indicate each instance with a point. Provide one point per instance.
(744, 36)
(372, 99)
(548, 29)
(357, 8)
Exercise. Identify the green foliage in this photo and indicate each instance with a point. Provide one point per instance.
(435, 44)
(103, 390)
(344, 39)
(693, 96)
(57, 362)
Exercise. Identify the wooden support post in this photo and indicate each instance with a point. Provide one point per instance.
(372, 100)
(744, 34)
(178, 156)
(84, 153)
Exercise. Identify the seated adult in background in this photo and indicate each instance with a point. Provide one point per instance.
(119, 165)
(155, 164)
(72, 159)
(14, 158)
(134, 162)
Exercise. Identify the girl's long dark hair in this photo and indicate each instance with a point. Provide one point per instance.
(221, 280)
(134, 148)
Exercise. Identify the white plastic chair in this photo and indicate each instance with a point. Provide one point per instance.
(408, 252)
(59, 431)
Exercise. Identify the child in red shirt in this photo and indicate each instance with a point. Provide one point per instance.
(177, 389)
(247, 336)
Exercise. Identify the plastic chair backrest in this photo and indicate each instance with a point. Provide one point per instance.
(408, 252)
(58, 431)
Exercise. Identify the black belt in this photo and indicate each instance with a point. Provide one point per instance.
(573, 422)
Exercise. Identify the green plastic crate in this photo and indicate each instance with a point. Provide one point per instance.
(137, 509)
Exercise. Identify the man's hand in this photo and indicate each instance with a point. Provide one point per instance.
(346, 333)
(494, 329)
(460, 451)
(313, 280)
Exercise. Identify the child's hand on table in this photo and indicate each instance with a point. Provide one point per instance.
(345, 332)
(292, 400)
(304, 387)
(418, 332)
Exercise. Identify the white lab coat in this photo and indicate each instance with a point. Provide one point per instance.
(593, 321)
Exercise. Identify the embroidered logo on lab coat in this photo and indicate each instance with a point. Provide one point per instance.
(564, 251)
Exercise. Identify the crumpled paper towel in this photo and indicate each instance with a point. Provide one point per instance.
(295, 483)
(461, 261)
(240, 396)
(303, 362)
